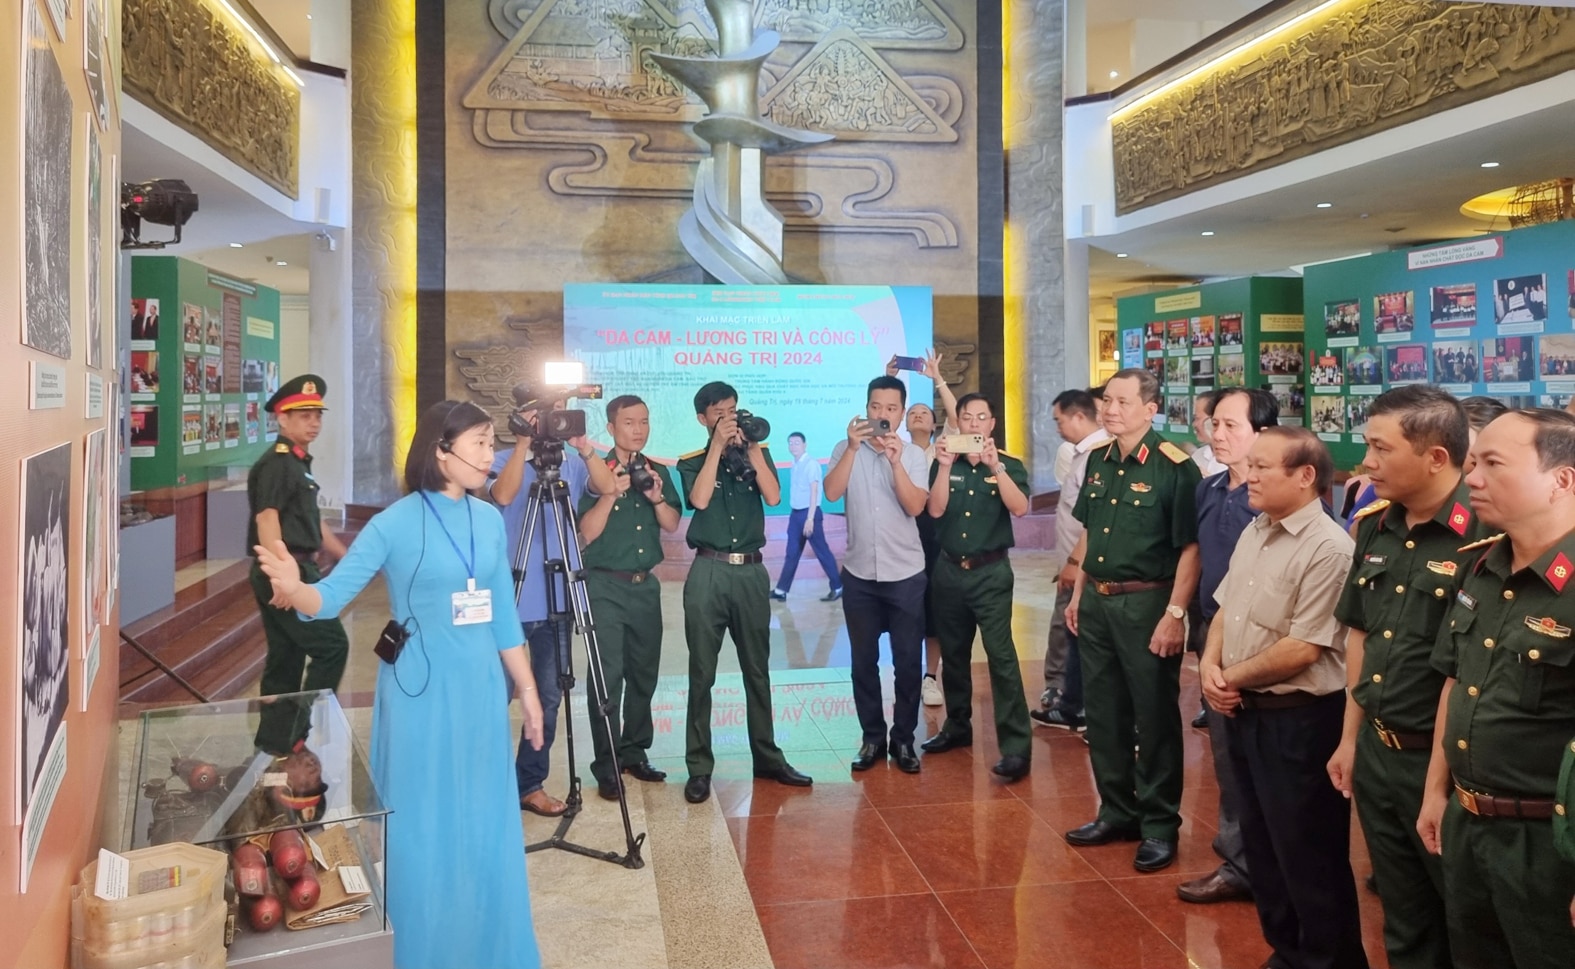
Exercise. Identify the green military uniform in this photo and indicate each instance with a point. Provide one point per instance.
(728, 594)
(1508, 645)
(1140, 512)
(1400, 586)
(1564, 806)
(971, 588)
(282, 480)
(626, 600)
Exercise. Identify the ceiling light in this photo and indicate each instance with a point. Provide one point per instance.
(236, 245)
(1121, 255)
(1325, 205)
(281, 263)
(1115, 74)
(1206, 232)
(1490, 164)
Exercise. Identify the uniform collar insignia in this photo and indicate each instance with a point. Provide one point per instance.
(1443, 568)
(1141, 487)
(1547, 626)
(1142, 454)
(299, 452)
(1466, 599)
(1377, 559)
(1459, 519)
(1559, 572)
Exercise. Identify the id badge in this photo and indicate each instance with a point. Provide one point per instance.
(472, 606)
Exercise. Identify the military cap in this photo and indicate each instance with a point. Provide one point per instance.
(305, 392)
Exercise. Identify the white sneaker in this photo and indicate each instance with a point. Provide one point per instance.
(931, 692)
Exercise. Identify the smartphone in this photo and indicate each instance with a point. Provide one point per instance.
(915, 364)
(878, 427)
(965, 443)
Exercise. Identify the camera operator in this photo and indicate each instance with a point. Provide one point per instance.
(727, 590)
(511, 492)
(886, 482)
(621, 528)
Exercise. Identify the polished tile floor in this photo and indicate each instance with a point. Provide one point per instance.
(948, 868)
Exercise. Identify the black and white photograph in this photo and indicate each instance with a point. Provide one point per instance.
(1178, 409)
(252, 378)
(95, 505)
(93, 59)
(1455, 362)
(93, 249)
(47, 195)
(45, 636)
(57, 16)
(1328, 415)
(1520, 299)
(1202, 371)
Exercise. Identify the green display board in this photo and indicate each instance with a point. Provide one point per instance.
(1238, 333)
(204, 358)
(1489, 315)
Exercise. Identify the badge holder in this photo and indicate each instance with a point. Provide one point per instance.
(568, 598)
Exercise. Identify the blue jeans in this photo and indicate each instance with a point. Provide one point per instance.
(795, 548)
(543, 638)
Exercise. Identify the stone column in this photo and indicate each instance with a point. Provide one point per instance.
(331, 351)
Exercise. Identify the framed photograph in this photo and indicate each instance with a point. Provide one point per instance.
(1326, 370)
(1177, 373)
(1509, 359)
(44, 617)
(1356, 409)
(1230, 330)
(1456, 362)
(253, 381)
(93, 236)
(1406, 363)
(212, 375)
(59, 10)
(1328, 415)
(144, 321)
(93, 59)
(1178, 410)
(47, 194)
(144, 421)
(1203, 333)
(1556, 357)
(1280, 359)
(1131, 353)
(191, 429)
(144, 374)
(1203, 371)
(1230, 370)
(191, 326)
(1154, 337)
(1454, 307)
(1363, 367)
(1107, 345)
(1520, 299)
(1342, 319)
(191, 374)
(1155, 366)
(232, 424)
(271, 379)
(1394, 314)
(1178, 335)
(95, 509)
(212, 331)
(1292, 400)
(212, 426)
(253, 426)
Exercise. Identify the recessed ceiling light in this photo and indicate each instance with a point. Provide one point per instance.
(308, 16)
(1121, 255)
(1115, 74)
(1206, 232)
(1490, 164)
(281, 263)
(1326, 205)
(236, 245)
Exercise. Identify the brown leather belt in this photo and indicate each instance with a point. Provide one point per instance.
(633, 578)
(731, 558)
(1255, 700)
(1401, 741)
(970, 562)
(1489, 806)
(1122, 588)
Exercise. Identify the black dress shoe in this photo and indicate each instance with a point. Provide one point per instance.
(869, 756)
(608, 790)
(1154, 854)
(784, 775)
(698, 788)
(907, 760)
(832, 596)
(643, 771)
(1011, 767)
(1201, 721)
(943, 741)
(1100, 833)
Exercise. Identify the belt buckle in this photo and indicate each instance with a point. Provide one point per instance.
(637, 578)
(1102, 587)
(736, 558)
(1467, 799)
(1389, 737)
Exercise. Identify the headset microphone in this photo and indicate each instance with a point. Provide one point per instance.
(447, 447)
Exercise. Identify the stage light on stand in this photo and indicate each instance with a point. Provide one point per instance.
(161, 201)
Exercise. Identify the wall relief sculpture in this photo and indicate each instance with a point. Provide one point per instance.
(1360, 68)
(196, 68)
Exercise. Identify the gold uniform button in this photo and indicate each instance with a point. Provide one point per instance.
(1461, 744)
(1399, 589)
(616, 507)
(1378, 677)
(1101, 558)
(1535, 653)
(967, 514)
(1439, 593)
(1121, 472)
(1472, 691)
(1508, 594)
(970, 491)
(1136, 502)
(1107, 531)
(638, 527)
(1410, 544)
(965, 535)
(640, 551)
(1558, 809)
(1112, 501)
(1389, 634)
(1488, 643)
(1362, 580)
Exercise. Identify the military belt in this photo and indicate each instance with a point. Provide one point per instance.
(1122, 588)
(1401, 741)
(1491, 806)
(633, 578)
(970, 562)
(731, 558)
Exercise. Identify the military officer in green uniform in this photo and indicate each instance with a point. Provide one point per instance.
(283, 499)
(973, 498)
(727, 590)
(622, 531)
(1507, 710)
(1400, 585)
(1563, 809)
(1138, 505)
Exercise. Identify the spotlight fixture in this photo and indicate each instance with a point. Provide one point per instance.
(161, 201)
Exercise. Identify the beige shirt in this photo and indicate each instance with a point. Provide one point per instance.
(1284, 580)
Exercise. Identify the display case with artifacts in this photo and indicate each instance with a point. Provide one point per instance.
(282, 786)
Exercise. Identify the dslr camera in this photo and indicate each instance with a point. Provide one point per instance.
(640, 476)
(735, 457)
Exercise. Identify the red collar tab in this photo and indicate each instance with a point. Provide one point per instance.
(299, 452)
(1559, 572)
(1142, 454)
(1459, 518)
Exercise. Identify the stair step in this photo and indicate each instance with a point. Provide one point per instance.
(192, 654)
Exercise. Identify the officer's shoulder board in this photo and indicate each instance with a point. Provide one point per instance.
(1175, 454)
(1480, 543)
(692, 454)
(281, 448)
(1373, 509)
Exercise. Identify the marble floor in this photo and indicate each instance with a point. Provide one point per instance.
(949, 868)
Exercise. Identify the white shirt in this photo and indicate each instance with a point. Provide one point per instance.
(1068, 530)
(1203, 457)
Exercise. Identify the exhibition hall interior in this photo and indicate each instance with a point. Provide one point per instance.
(267, 248)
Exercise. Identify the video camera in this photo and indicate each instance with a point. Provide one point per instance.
(551, 426)
(735, 457)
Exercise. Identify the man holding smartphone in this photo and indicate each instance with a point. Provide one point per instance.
(884, 479)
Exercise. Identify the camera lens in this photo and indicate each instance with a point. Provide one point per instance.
(755, 429)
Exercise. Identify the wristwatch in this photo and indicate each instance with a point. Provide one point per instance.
(1176, 612)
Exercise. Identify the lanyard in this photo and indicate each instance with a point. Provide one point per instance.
(470, 563)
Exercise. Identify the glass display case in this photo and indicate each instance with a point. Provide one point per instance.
(220, 774)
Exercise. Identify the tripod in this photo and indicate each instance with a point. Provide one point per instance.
(567, 599)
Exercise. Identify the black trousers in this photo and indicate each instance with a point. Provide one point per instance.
(1296, 829)
(897, 609)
